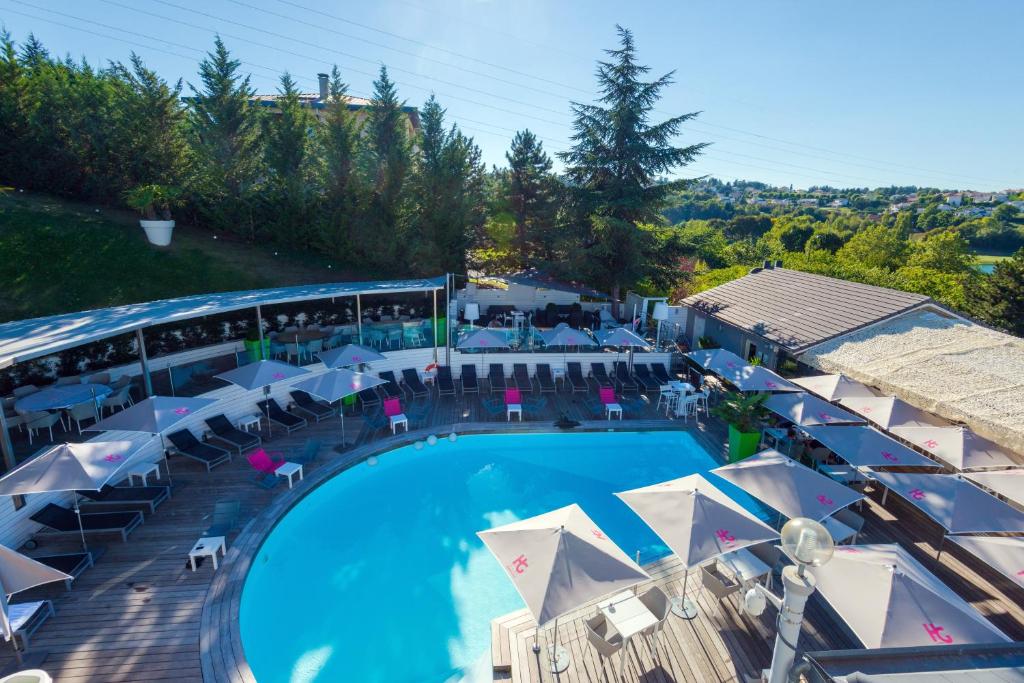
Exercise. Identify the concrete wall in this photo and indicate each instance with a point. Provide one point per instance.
(728, 337)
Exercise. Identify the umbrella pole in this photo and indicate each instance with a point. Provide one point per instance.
(167, 463)
(341, 411)
(81, 529)
(558, 657)
(681, 605)
(266, 402)
(7, 625)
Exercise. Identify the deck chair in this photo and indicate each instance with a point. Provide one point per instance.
(307, 405)
(545, 379)
(521, 374)
(72, 564)
(643, 375)
(468, 380)
(145, 497)
(574, 372)
(185, 443)
(496, 377)
(391, 389)
(63, 521)
(25, 618)
(280, 416)
(369, 398)
(225, 518)
(414, 384)
(623, 379)
(230, 434)
(445, 383)
(600, 375)
(660, 373)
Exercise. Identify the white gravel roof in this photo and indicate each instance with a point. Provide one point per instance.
(957, 369)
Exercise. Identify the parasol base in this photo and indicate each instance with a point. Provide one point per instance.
(684, 608)
(558, 659)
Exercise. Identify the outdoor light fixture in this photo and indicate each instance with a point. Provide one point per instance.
(808, 544)
(661, 315)
(472, 313)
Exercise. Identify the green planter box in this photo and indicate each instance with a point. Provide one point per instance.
(253, 348)
(442, 325)
(742, 444)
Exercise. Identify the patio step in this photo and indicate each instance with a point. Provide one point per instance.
(501, 651)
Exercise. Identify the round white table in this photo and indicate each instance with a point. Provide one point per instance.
(64, 396)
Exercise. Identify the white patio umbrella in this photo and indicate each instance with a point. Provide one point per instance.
(889, 412)
(863, 446)
(155, 415)
(697, 522)
(565, 336)
(558, 561)
(958, 446)
(334, 385)
(1007, 483)
(349, 355)
(262, 374)
(19, 573)
(621, 337)
(834, 387)
(787, 486)
(739, 373)
(483, 339)
(888, 599)
(955, 504)
(807, 410)
(1005, 555)
(72, 467)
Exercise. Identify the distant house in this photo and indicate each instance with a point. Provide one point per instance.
(955, 199)
(944, 207)
(840, 202)
(807, 202)
(317, 103)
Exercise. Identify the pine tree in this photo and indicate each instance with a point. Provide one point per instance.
(287, 132)
(340, 144)
(998, 299)
(616, 161)
(13, 115)
(531, 194)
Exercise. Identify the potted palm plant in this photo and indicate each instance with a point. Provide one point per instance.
(744, 414)
(154, 204)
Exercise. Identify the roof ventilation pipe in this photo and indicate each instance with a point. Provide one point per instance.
(766, 265)
(324, 91)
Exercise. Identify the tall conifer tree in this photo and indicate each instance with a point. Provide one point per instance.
(532, 198)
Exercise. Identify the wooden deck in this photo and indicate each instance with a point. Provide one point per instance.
(141, 615)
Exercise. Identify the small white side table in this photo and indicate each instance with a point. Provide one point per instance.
(142, 471)
(514, 409)
(399, 419)
(207, 547)
(249, 421)
(289, 469)
(613, 409)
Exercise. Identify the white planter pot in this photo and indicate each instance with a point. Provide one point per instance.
(158, 232)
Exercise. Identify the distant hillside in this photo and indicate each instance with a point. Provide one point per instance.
(59, 257)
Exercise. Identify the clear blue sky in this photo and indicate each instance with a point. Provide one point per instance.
(843, 93)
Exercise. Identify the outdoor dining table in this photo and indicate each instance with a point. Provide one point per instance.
(681, 389)
(744, 565)
(61, 397)
(628, 616)
(300, 337)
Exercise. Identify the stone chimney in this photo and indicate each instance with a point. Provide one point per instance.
(324, 90)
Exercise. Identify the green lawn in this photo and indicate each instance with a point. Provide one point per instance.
(990, 259)
(57, 257)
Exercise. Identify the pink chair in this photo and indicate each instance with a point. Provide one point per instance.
(393, 411)
(611, 407)
(262, 462)
(513, 404)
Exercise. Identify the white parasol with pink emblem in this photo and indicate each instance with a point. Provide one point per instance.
(262, 374)
(335, 385)
(958, 446)
(807, 410)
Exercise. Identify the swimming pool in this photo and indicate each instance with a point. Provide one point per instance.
(378, 575)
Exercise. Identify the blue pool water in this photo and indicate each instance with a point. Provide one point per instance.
(378, 575)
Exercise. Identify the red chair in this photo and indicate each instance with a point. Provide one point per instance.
(611, 407)
(513, 404)
(393, 411)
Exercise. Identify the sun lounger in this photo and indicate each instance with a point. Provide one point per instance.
(623, 379)
(72, 564)
(600, 375)
(445, 383)
(281, 417)
(391, 389)
(660, 373)
(496, 377)
(145, 497)
(25, 619)
(228, 433)
(185, 443)
(545, 379)
(62, 520)
(643, 375)
(468, 380)
(522, 377)
(369, 398)
(412, 381)
(225, 518)
(574, 372)
(307, 405)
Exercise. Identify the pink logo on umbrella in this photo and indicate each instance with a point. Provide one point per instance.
(889, 456)
(825, 500)
(519, 564)
(599, 534)
(357, 358)
(113, 457)
(936, 634)
(824, 416)
(917, 494)
(730, 365)
(931, 443)
(865, 409)
(845, 549)
(182, 411)
(483, 342)
(354, 385)
(771, 385)
(725, 537)
(278, 375)
(1020, 573)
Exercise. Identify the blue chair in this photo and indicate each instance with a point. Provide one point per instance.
(278, 350)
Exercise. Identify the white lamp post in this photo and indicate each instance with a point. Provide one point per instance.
(808, 544)
(472, 313)
(661, 315)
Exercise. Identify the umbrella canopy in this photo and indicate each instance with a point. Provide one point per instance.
(958, 506)
(483, 338)
(787, 486)
(154, 415)
(739, 373)
(888, 599)
(350, 354)
(695, 519)
(1005, 555)
(19, 573)
(717, 360)
(864, 446)
(1007, 483)
(621, 336)
(888, 412)
(566, 336)
(261, 373)
(806, 410)
(960, 447)
(335, 385)
(560, 560)
(834, 387)
(68, 467)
